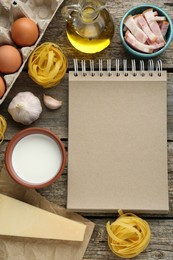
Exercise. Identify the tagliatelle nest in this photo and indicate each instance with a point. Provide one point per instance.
(128, 235)
(3, 127)
(47, 65)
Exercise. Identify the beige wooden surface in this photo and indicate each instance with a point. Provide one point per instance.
(161, 245)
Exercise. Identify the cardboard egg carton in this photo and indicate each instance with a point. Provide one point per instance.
(40, 11)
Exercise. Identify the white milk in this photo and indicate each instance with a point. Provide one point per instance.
(36, 158)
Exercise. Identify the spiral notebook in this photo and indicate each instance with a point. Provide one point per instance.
(117, 155)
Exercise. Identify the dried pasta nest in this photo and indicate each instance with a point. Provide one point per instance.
(3, 127)
(47, 65)
(128, 235)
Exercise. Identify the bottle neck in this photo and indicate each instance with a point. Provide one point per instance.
(89, 14)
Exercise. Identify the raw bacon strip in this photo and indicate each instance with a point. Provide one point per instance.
(131, 40)
(159, 18)
(144, 26)
(135, 30)
(164, 27)
(158, 45)
(149, 16)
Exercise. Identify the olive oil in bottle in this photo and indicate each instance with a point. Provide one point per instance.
(89, 29)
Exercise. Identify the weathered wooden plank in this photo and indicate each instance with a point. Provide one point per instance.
(57, 192)
(170, 107)
(160, 247)
(58, 119)
(57, 122)
(56, 32)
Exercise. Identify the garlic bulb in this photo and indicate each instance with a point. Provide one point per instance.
(25, 108)
(51, 103)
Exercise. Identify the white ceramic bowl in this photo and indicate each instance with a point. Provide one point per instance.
(35, 157)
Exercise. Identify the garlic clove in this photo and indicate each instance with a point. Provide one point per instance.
(51, 102)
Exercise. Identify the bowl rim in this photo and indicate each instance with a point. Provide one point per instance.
(11, 145)
(138, 53)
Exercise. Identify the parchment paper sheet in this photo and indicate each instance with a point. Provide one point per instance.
(14, 248)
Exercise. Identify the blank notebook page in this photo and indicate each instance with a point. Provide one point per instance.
(117, 156)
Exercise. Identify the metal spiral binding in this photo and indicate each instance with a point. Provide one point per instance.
(117, 67)
(159, 68)
(125, 68)
(100, 67)
(92, 68)
(134, 73)
(109, 73)
(83, 65)
(75, 61)
(142, 68)
(151, 68)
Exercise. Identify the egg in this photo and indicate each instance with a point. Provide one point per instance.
(2, 87)
(10, 59)
(24, 32)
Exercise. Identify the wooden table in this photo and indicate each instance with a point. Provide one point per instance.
(161, 245)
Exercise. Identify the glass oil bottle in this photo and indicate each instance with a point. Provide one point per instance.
(90, 27)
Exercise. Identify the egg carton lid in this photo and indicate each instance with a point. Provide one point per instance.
(40, 11)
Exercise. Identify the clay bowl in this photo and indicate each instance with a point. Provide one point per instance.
(35, 157)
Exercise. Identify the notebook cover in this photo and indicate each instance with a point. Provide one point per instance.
(117, 155)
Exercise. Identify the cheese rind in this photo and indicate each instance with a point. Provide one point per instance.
(18, 218)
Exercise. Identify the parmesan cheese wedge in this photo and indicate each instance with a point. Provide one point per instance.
(21, 219)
